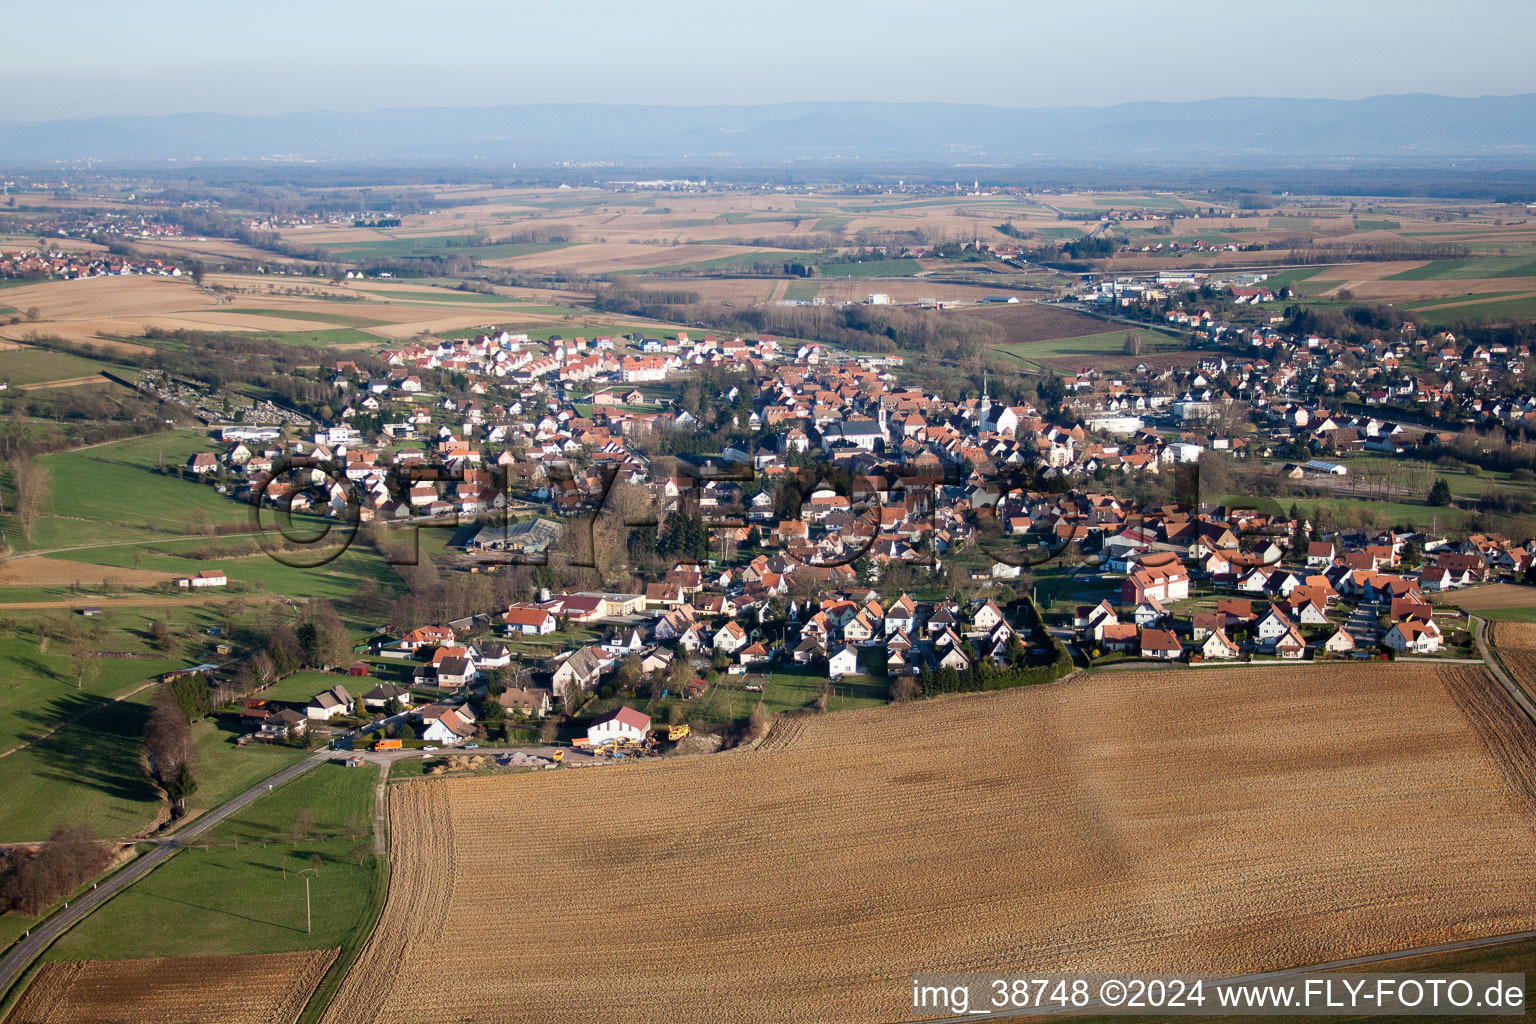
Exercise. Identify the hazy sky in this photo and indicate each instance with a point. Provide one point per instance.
(94, 57)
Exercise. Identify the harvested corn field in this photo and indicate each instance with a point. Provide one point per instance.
(1496, 595)
(268, 989)
(1514, 644)
(1221, 820)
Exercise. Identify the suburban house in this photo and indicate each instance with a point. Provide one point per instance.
(1166, 582)
(730, 638)
(329, 704)
(580, 670)
(1340, 643)
(529, 621)
(1217, 647)
(1161, 643)
(280, 726)
(1414, 638)
(426, 636)
(378, 698)
(533, 701)
(844, 662)
(447, 726)
(622, 724)
(455, 672)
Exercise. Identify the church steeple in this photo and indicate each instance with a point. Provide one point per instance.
(986, 403)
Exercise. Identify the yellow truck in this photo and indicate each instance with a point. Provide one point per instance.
(677, 732)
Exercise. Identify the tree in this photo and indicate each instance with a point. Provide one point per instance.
(86, 663)
(29, 483)
(1440, 493)
(160, 634)
(1132, 344)
(302, 828)
(168, 753)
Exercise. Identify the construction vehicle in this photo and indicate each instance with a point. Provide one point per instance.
(388, 745)
(677, 732)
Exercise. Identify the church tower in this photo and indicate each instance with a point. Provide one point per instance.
(986, 405)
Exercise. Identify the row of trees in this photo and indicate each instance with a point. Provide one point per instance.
(33, 880)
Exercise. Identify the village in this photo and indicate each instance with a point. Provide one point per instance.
(918, 571)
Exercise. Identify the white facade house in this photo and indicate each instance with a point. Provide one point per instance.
(844, 662)
(623, 724)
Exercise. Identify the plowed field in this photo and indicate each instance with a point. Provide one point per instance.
(1222, 820)
(268, 989)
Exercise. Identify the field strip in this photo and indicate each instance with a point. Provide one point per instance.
(269, 988)
(67, 382)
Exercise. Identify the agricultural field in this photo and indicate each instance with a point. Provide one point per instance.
(1491, 600)
(268, 989)
(1515, 645)
(1299, 811)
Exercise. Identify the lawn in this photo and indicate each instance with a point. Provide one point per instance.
(338, 319)
(447, 295)
(30, 365)
(238, 890)
(88, 771)
(1522, 308)
(795, 687)
(1031, 354)
(112, 493)
(870, 268)
(301, 686)
(434, 245)
(1290, 277)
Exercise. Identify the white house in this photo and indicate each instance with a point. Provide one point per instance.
(730, 638)
(1414, 638)
(328, 704)
(844, 662)
(1272, 627)
(624, 724)
(529, 621)
(1218, 648)
(1340, 643)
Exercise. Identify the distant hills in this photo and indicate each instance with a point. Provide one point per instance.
(1409, 130)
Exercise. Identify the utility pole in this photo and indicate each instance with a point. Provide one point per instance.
(308, 920)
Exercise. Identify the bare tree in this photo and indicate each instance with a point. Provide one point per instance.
(169, 755)
(86, 662)
(29, 482)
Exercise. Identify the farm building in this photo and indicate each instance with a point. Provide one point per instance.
(623, 723)
(206, 578)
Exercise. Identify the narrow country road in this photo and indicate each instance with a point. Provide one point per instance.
(23, 952)
(1516, 691)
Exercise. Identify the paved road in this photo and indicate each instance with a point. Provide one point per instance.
(21, 954)
(1223, 981)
